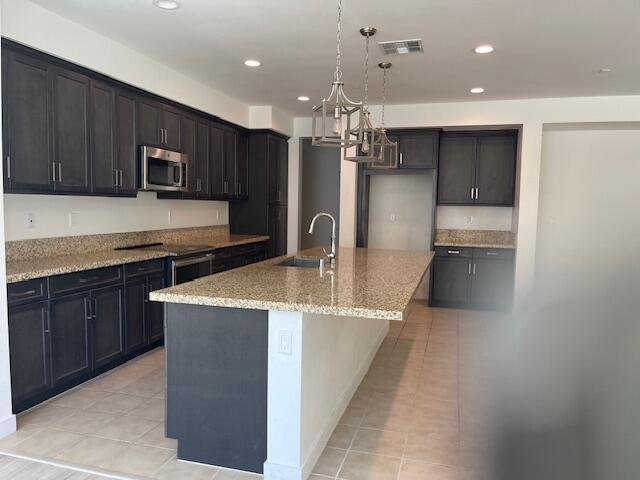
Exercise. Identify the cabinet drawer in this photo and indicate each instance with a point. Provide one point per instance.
(63, 284)
(458, 252)
(27, 291)
(141, 269)
(494, 253)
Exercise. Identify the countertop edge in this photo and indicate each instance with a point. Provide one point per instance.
(473, 245)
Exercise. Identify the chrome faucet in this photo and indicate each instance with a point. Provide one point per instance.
(332, 253)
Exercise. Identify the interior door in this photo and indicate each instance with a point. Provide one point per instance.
(456, 170)
(495, 170)
(26, 123)
(126, 147)
(70, 356)
(103, 155)
(108, 325)
(155, 310)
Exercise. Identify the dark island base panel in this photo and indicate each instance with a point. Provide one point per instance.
(217, 384)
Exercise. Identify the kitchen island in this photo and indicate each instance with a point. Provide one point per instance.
(263, 360)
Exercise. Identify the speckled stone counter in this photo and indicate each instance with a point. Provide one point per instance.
(367, 283)
(475, 238)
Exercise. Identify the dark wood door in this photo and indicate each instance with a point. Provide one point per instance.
(419, 150)
(149, 126)
(230, 139)
(283, 172)
(26, 123)
(135, 297)
(189, 148)
(108, 324)
(171, 123)
(242, 189)
(70, 355)
(103, 154)
(456, 170)
(29, 351)
(451, 282)
(155, 310)
(495, 170)
(126, 144)
(492, 284)
(216, 162)
(273, 156)
(203, 160)
(71, 131)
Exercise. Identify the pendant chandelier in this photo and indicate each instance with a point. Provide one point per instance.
(364, 152)
(327, 119)
(383, 148)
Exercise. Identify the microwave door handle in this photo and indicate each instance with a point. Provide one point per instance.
(181, 178)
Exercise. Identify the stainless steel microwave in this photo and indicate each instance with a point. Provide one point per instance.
(162, 170)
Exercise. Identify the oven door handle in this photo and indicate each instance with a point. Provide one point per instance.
(191, 261)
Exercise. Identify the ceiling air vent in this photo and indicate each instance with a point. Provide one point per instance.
(401, 47)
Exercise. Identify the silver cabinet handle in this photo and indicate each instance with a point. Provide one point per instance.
(453, 252)
(474, 268)
(54, 171)
(120, 180)
(8, 166)
(469, 269)
(401, 159)
(492, 254)
(471, 194)
(59, 171)
(225, 188)
(161, 136)
(477, 189)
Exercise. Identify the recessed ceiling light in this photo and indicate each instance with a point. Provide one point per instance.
(252, 63)
(166, 4)
(483, 49)
(477, 90)
(303, 98)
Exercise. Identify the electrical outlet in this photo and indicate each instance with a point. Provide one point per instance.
(285, 342)
(30, 219)
(168, 216)
(217, 214)
(393, 217)
(469, 219)
(73, 219)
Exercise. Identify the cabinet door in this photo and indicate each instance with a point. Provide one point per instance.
(495, 170)
(26, 123)
(70, 356)
(456, 170)
(108, 328)
(135, 331)
(203, 160)
(126, 145)
(273, 157)
(155, 310)
(29, 351)
(189, 148)
(492, 284)
(171, 123)
(283, 172)
(216, 162)
(103, 155)
(149, 123)
(230, 154)
(242, 189)
(419, 150)
(277, 245)
(71, 131)
(451, 280)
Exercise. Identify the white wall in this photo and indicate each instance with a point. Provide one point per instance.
(93, 215)
(588, 224)
(7, 419)
(531, 114)
(474, 218)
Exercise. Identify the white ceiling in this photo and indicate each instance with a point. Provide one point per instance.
(544, 48)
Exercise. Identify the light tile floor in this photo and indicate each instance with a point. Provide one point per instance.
(416, 414)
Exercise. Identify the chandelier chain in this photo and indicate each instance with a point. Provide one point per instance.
(365, 103)
(384, 93)
(338, 74)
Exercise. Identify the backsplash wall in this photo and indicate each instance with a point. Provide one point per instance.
(474, 218)
(61, 216)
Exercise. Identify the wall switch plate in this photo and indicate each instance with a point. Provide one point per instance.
(217, 214)
(285, 342)
(73, 219)
(393, 217)
(168, 216)
(469, 219)
(30, 219)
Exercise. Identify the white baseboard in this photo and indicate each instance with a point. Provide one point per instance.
(278, 471)
(7, 425)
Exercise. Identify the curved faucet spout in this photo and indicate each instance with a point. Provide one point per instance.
(332, 253)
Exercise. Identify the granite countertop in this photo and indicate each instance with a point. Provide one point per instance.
(368, 283)
(39, 267)
(475, 238)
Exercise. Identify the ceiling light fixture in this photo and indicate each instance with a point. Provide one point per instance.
(167, 4)
(483, 49)
(252, 63)
(477, 90)
(303, 98)
(385, 149)
(364, 152)
(336, 106)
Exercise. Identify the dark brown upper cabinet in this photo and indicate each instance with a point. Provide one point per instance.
(477, 168)
(418, 150)
(126, 143)
(203, 160)
(159, 125)
(189, 148)
(277, 157)
(230, 139)
(242, 169)
(216, 162)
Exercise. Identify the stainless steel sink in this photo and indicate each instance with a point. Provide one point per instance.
(299, 262)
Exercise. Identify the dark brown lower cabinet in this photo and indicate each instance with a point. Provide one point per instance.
(155, 310)
(29, 347)
(135, 300)
(108, 324)
(472, 278)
